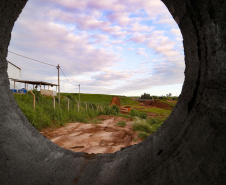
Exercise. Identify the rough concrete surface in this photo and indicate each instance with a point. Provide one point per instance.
(188, 149)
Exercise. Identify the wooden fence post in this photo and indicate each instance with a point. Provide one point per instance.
(77, 104)
(68, 104)
(33, 99)
(54, 104)
(86, 106)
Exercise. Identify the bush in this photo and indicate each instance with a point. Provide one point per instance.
(115, 107)
(141, 125)
(121, 124)
(154, 123)
(143, 115)
(143, 135)
(145, 96)
(136, 113)
(114, 110)
(148, 126)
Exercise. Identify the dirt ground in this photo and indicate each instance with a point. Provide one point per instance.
(102, 137)
(157, 104)
(105, 137)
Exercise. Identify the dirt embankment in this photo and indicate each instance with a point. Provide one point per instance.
(106, 137)
(156, 104)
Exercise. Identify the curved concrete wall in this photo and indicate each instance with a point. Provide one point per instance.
(188, 149)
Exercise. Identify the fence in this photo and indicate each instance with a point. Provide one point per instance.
(44, 111)
(65, 104)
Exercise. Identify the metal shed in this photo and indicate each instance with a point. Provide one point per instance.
(14, 72)
(46, 91)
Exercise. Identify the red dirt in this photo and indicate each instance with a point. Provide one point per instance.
(94, 138)
(115, 101)
(156, 104)
(106, 137)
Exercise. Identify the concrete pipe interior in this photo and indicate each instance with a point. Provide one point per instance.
(188, 149)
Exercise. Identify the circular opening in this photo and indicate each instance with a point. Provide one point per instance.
(191, 143)
(113, 49)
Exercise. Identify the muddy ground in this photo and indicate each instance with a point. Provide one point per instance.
(102, 137)
(105, 137)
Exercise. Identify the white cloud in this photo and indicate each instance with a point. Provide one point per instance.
(130, 49)
(82, 37)
(176, 32)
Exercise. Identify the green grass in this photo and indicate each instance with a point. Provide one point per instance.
(136, 113)
(141, 125)
(127, 101)
(45, 115)
(143, 135)
(171, 104)
(101, 99)
(121, 124)
(146, 126)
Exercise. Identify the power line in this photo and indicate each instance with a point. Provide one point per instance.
(31, 59)
(41, 63)
(66, 77)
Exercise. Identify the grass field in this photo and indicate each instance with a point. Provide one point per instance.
(91, 105)
(90, 98)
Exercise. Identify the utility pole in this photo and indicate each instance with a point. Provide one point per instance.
(58, 67)
(79, 93)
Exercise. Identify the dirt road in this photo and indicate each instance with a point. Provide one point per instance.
(106, 137)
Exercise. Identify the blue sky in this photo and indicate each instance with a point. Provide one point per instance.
(123, 47)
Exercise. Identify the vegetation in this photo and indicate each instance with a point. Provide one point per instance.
(143, 135)
(121, 124)
(127, 101)
(145, 96)
(100, 99)
(146, 126)
(141, 125)
(91, 106)
(136, 113)
(45, 115)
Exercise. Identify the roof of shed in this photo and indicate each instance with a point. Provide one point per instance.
(13, 65)
(33, 82)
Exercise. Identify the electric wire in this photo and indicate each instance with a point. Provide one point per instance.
(42, 63)
(66, 77)
(31, 59)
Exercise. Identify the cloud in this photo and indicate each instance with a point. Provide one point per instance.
(110, 76)
(130, 49)
(139, 38)
(163, 45)
(120, 18)
(136, 27)
(119, 48)
(59, 45)
(176, 32)
(142, 53)
(87, 37)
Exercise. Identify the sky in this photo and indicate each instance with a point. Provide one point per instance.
(117, 47)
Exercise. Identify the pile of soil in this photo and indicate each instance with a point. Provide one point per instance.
(106, 137)
(115, 101)
(156, 104)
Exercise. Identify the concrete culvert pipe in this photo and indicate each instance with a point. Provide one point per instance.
(190, 147)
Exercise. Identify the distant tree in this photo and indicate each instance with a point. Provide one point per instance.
(169, 95)
(145, 96)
